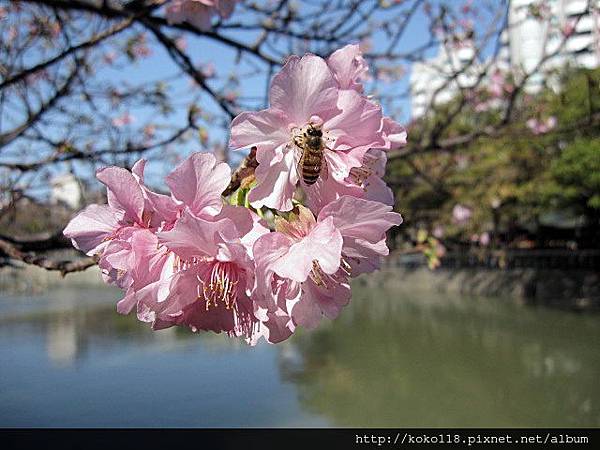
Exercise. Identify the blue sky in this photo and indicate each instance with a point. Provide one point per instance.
(204, 50)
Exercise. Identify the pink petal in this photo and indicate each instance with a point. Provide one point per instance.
(149, 258)
(331, 299)
(241, 219)
(279, 326)
(395, 134)
(340, 163)
(307, 312)
(364, 256)
(115, 263)
(162, 207)
(358, 124)
(266, 129)
(324, 191)
(348, 67)
(323, 244)
(359, 218)
(194, 237)
(123, 192)
(378, 191)
(127, 303)
(138, 170)
(119, 255)
(215, 319)
(276, 177)
(181, 291)
(376, 160)
(304, 87)
(195, 12)
(88, 229)
(199, 181)
(267, 250)
(318, 301)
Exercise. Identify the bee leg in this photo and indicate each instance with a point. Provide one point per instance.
(299, 168)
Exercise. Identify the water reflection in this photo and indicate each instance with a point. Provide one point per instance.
(401, 359)
(70, 320)
(392, 359)
(68, 359)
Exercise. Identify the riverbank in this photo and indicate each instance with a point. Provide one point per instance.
(572, 289)
(24, 278)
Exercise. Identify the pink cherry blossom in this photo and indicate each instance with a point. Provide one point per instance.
(461, 214)
(199, 238)
(122, 233)
(438, 231)
(181, 43)
(541, 126)
(306, 94)
(187, 258)
(110, 231)
(484, 239)
(366, 181)
(569, 28)
(211, 279)
(348, 67)
(199, 12)
(208, 70)
(499, 85)
(125, 119)
(305, 266)
(110, 57)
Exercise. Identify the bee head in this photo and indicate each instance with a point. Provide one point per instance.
(314, 131)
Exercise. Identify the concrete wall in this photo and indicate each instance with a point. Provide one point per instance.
(573, 289)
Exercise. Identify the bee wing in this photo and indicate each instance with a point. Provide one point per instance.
(324, 169)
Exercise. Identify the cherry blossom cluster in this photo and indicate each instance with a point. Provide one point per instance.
(199, 13)
(282, 256)
(541, 126)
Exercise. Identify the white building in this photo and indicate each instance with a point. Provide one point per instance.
(539, 44)
(432, 80)
(531, 44)
(66, 189)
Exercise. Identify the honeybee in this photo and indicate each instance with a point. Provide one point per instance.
(312, 163)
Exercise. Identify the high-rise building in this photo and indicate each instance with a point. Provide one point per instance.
(433, 80)
(542, 35)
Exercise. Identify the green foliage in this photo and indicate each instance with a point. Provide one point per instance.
(576, 174)
(516, 178)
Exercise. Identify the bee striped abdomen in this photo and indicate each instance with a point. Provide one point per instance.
(311, 164)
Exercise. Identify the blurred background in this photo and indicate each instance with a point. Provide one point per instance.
(485, 313)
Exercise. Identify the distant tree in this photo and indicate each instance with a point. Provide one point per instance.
(543, 162)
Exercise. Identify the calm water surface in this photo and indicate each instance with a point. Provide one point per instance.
(393, 358)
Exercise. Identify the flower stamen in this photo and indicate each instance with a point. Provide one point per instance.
(221, 287)
(317, 275)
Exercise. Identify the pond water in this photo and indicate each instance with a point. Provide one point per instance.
(397, 359)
